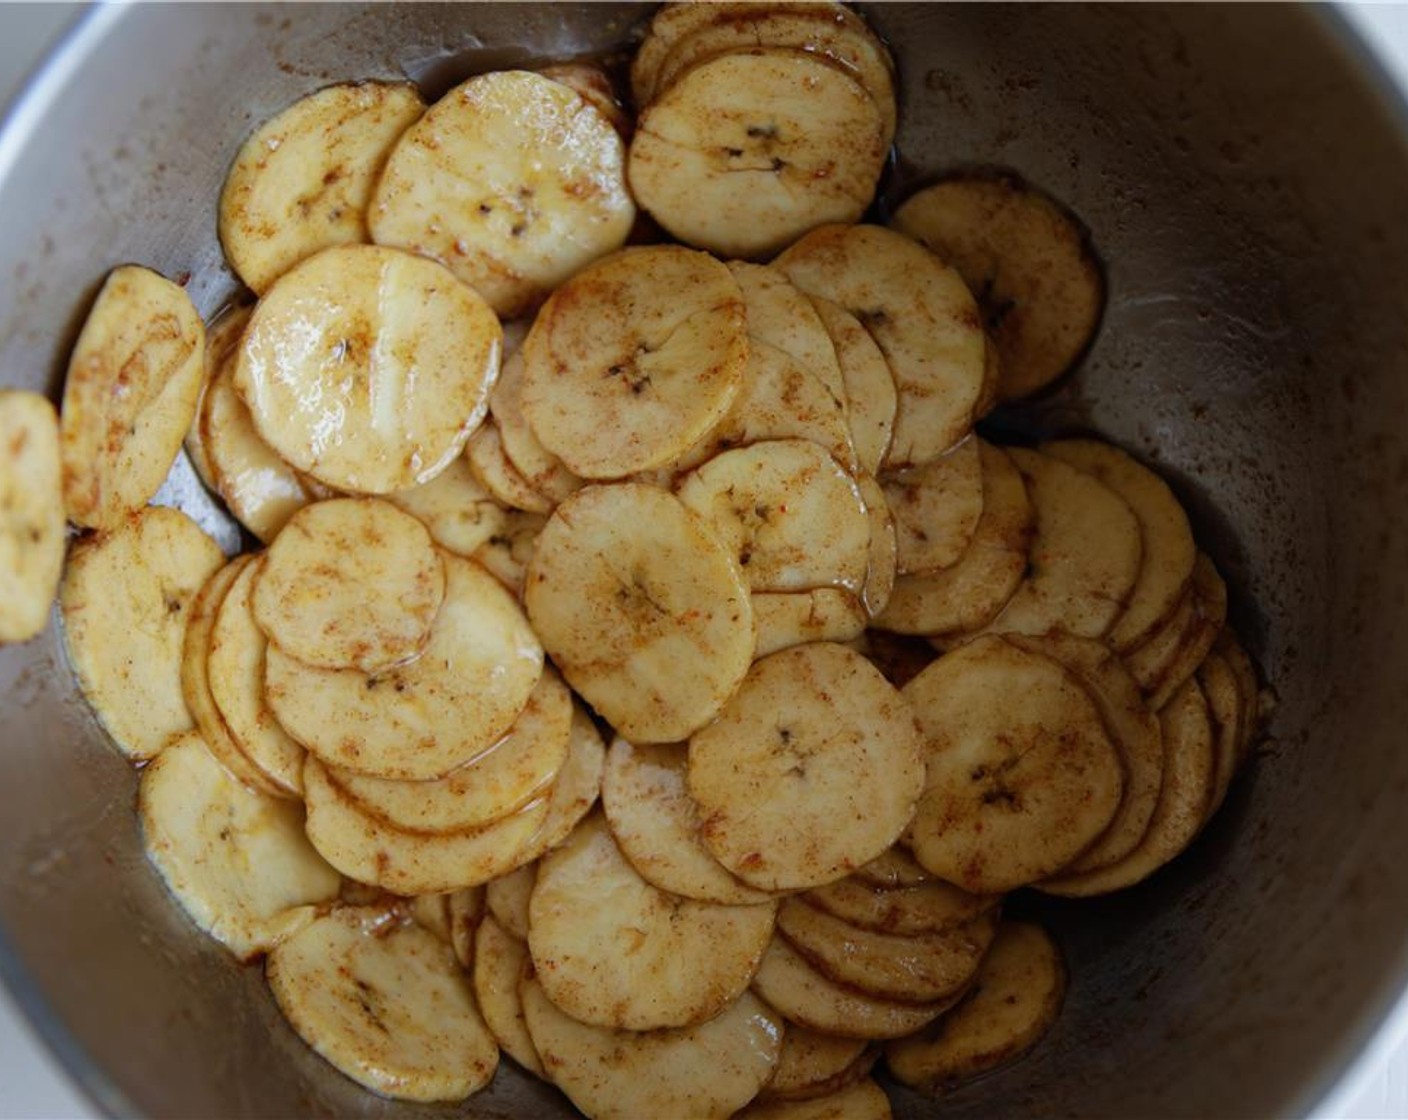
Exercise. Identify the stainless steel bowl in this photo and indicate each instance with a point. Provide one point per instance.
(1244, 172)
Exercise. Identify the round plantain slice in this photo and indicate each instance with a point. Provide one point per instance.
(1133, 729)
(1015, 999)
(813, 1064)
(492, 470)
(302, 180)
(792, 618)
(893, 869)
(236, 860)
(130, 395)
(1223, 693)
(539, 468)
(1209, 616)
(513, 181)
(519, 768)
(1029, 260)
(909, 968)
(791, 515)
(385, 1004)
(459, 513)
(869, 385)
(708, 1071)
(351, 583)
(420, 720)
(408, 863)
(506, 553)
(1168, 549)
(931, 906)
(507, 899)
(747, 151)
(466, 911)
(501, 966)
(368, 368)
(971, 593)
(235, 675)
(1021, 773)
(1084, 558)
(1189, 777)
(920, 314)
(781, 316)
(656, 824)
(594, 86)
(125, 599)
(1151, 660)
(804, 996)
(883, 560)
(864, 1100)
(648, 345)
(625, 586)
(576, 790)
(591, 910)
(31, 513)
(936, 508)
(811, 770)
(1248, 684)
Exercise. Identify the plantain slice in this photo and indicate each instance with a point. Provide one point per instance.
(1029, 260)
(1133, 729)
(708, 1071)
(506, 553)
(302, 180)
(864, 1100)
(1223, 693)
(970, 594)
(908, 968)
(459, 513)
(236, 860)
(1021, 774)
(781, 316)
(868, 384)
(625, 585)
(937, 508)
(590, 910)
(432, 912)
(1015, 999)
(648, 345)
(501, 965)
(929, 906)
(492, 470)
(920, 314)
(810, 770)
(368, 368)
(1084, 558)
(516, 770)
(882, 560)
(749, 150)
(814, 1064)
(513, 181)
(804, 996)
(31, 514)
(540, 469)
(466, 910)
(1209, 614)
(792, 618)
(130, 395)
(408, 863)
(594, 86)
(421, 719)
(1189, 778)
(385, 1004)
(507, 898)
(577, 787)
(894, 868)
(656, 824)
(1242, 668)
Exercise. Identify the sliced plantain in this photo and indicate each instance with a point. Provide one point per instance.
(749, 150)
(519, 768)
(31, 513)
(501, 966)
(368, 368)
(540, 469)
(863, 1100)
(869, 385)
(594, 86)
(1029, 260)
(351, 583)
(648, 345)
(813, 1064)
(1225, 709)
(1168, 549)
(656, 824)
(1016, 998)
(1084, 558)
(908, 968)
(1021, 775)
(792, 618)
(235, 676)
(931, 906)
(513, 181)
(302, 180)
(626, 584)
(893, 869)
(577, 787)
(385, 1004)
(781, 316)
(460, 514)
(408, 863)
(920, 314)
(492, 470)
(591, 910)
(432, 912)
(1152, 660)
(804, 996)
(419, 720)
(125, 599)
(708, 1071)
(936, 508)
(970, 594)
(1248, 684)
(466, 910)
(507, 899)
(883, 560)
(785, 778)
(237, 861)
(130, 395)
(1209, 614)
(1189, 779)
(789, 513)
(506, 553)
